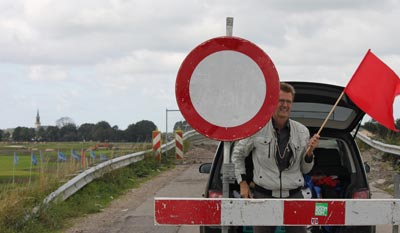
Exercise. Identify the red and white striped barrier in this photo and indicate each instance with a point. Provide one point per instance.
(276, 212)
(156, 135)
(179, 144)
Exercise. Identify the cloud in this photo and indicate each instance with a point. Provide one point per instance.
(138, 71)
(96, 57)
(47, 73)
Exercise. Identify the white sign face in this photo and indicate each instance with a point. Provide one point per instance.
(227, 88)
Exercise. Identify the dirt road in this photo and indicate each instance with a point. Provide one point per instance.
(134, 212)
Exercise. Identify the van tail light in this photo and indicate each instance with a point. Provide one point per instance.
(214, 194)
(361, 194)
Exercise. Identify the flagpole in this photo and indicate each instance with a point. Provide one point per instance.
(327, 117)
(14, 168)
(41, 162)
(58, 154)
(30, 170)
(82, 158)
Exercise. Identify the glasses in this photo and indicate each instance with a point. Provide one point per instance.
(282, 101)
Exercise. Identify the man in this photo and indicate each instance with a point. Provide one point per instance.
(282, 152)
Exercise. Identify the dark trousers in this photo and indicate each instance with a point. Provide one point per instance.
(271, 229)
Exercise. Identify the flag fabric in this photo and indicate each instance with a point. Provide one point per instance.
(61, 157)
(75, 155)
(16, 159)
(83, 158)
(103, 157)
(34, 159)
(373, 88)
(92, 154)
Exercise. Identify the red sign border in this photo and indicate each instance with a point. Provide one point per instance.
(183, 82)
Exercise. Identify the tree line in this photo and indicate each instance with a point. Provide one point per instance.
(141, 131)
(383, 132)
(101, 131)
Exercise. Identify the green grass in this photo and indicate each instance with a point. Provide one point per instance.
(91, 199)
(22, 171)
(18, 199)
(7, 165)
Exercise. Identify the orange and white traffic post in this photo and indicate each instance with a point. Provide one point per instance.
(179, 144)
(156, 136)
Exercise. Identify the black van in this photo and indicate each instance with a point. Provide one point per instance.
(338, 171)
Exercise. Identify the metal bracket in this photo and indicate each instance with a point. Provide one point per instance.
(228, 173)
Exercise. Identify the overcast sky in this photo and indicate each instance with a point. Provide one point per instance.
(117, 60)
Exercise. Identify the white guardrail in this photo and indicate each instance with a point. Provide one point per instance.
(87, 176)
(391, 149)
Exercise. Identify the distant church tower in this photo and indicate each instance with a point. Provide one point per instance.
(37, 123)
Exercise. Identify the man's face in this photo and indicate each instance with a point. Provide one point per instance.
(284, 105)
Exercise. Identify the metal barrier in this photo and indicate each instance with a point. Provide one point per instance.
(273, 212)
(87, 176)
(392, 149)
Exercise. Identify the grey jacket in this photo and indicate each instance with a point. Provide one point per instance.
(266, 173)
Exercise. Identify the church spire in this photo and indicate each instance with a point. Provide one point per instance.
(37, 123)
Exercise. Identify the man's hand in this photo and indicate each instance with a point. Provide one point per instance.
(312, 144)
(245, 190)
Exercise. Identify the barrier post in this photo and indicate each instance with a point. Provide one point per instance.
(156, 136)
(396, 181)
(179, 144)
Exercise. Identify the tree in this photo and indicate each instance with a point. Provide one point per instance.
(182, 125)
(85, 132)
(102, 131)
(69, 133)
(40, 134)
(118, 135)
(178, 125)
(144, 130)
(380, 130)
(6, 136)
(130, 133)
(1, 135)
(23, 134)
(52, 134)
(370, 126)
(63, 121)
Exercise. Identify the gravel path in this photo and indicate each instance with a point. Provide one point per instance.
(112, 215)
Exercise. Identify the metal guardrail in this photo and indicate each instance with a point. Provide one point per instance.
(392, 149)
(87, 176)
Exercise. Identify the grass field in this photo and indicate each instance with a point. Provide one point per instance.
(24, 186)
(47, 162)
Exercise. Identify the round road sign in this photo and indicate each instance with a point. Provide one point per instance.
(227, 88)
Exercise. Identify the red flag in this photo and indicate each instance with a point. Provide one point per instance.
(373, 88)
(83, 158)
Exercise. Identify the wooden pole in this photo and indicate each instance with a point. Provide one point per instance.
(14, 159)
(30, 169)
(327, 117)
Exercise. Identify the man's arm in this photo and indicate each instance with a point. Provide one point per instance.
(308, 162)
(241, 150)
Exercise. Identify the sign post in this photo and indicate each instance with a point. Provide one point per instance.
(227, 171)
(227, 88)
